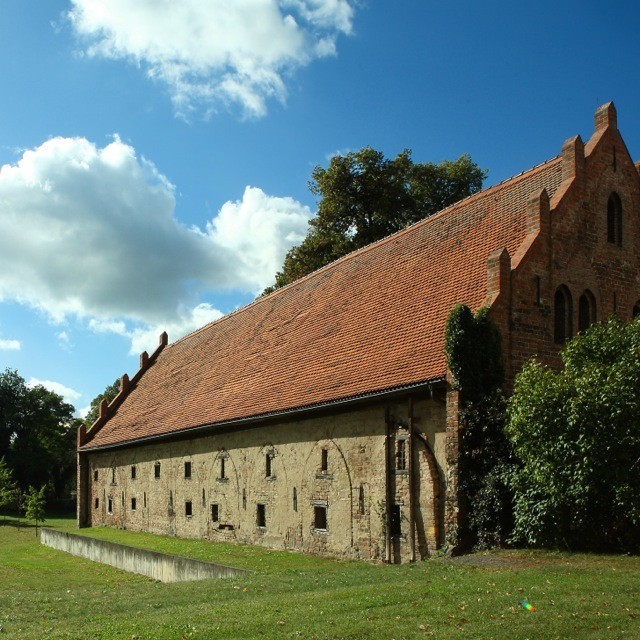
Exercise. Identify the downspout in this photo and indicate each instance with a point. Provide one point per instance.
(387, 475)
(412, 512)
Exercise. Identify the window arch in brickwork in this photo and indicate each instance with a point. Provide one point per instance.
(614, 219)
(587, 311)
(562, 315)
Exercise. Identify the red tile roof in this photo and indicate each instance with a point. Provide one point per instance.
(371, 321)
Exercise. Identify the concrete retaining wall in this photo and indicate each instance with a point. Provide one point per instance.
(159, 566)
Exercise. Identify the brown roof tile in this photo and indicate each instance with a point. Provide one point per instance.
(371, 321)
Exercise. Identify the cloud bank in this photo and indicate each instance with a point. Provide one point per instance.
(91, 233)
(9, 345)
(69, 395)
(218, 51)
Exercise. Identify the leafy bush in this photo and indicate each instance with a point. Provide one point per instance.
(576, 434)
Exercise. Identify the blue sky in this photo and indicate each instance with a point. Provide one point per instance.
(155, 154)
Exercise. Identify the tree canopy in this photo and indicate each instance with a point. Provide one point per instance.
(364, 197)
(37, 435)
(576, 433)
(110, 392)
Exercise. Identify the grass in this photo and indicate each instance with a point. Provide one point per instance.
(48, 594)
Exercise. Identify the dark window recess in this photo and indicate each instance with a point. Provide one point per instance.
(222, 469)
(95, 475)
(144, 503)
(187, 469)
(614, 219)
(268, 467)
(170, 503)
(396, 522)
(156, 470)
(215, 513)
(133, 473)
(636, 310)
(96, 503)
(295, 499)
(563, 316)
(113, 475)
(324, 460)
(110, 506)
(134, 504)
(261, 515)
(188, 508)
(586, 311)
(204, 499)
(320, 517)
(401, 454)
(361, 500)
(538, 291)
(123, 499)
(244, 499)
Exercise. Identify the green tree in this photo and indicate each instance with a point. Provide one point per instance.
(37, 435)
(576, 433)
(364, 197)
(34, 503)
(9, 492)
(110, 392)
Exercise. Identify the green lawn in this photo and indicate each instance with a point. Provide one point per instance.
(48, 594)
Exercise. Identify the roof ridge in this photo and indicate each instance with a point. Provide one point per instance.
(447, 210)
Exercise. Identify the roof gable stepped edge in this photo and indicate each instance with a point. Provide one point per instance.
(480, 195)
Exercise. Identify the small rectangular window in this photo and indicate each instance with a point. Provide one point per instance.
(268, 469)
(113, 475)
(320, 517)
(188, 509)
(133, 473)
(324, 460)
(144, 498)
(156, 470)
(96, 503)
(187, 469)
(134, 504)
(261, 515)
(110, 506)
(215, 513)
(244, 499)
(396, 521)
(222, 469)
(361, 500)
(295, 499)
(95, 475)
(401, 454)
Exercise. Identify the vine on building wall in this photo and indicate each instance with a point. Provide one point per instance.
(474, 357)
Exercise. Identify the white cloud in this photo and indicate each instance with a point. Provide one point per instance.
(10, 345)
(91, 233)
(69, 395)
(218, 51)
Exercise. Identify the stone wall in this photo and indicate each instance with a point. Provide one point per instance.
(315, 485)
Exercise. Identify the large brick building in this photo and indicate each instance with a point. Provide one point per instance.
(321, 417)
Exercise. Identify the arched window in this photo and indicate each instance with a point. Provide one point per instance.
(586, 311)
(614, 219)
(636, 309)
(562, 315)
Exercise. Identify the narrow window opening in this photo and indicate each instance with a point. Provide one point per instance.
(122, 499)
(614, 219)
(133, 473)
(261, 515)
(563, 316)
(96, 503)
(222, 469)
(156, 470)
(144, 498)
(215, 513)
(268, 466)
(361, 500)
(396, 521)
(134, 504)
(188, 508)
(110, 506)
(171, 503)
(244, 499)
(401, 454)
(586, 311)
(113, 475)
(295, 499)
(324, 460)
(320, 517)
(204, 499)
(538, 291)
(187, 469)
(95, 475)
